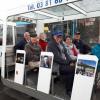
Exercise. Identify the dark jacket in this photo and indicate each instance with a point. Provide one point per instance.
(83, 48)
(58, 60)
(54, 48)
(32, 52)
(20, 45)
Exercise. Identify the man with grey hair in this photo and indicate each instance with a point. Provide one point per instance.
(21, 44)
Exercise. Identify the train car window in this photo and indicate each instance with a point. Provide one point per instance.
(89, 29)
(15, 36)
(1, 33)
(20, 30)
(9, 35)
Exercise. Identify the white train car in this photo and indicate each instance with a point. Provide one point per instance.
(39, 13)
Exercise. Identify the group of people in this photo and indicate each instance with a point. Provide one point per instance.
(33, 45)
(65, 55)
(65, 52)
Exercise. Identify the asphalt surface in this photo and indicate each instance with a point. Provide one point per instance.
(3, 95)
(10, 94)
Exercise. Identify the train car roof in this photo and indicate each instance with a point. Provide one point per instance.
(58, 9)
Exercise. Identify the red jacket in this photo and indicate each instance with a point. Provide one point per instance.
(43, 44)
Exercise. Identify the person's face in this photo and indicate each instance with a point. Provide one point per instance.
(68, 41)
(77, 37)
(58, 38)
(34, 39)
(42, 36)
(27, 36)
(45, 59)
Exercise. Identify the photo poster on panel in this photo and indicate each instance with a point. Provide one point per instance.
(85, 72)
(19, 66)
(45, 71)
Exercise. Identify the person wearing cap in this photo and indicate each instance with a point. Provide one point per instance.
(80, 45)
(60, 62)
(33, 51)
(21, 44)
(55, 46)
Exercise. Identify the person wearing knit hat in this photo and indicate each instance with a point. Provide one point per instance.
(33, 35)
(33, 51)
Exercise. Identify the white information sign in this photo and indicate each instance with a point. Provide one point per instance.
(19, 67)
(85, 71)
(45, 70)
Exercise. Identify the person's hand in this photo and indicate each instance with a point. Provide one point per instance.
(72, 64)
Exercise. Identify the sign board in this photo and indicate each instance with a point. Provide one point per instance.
(39, 4)
(47, 3)
(85, 71)
(45, 70)
(19, 67)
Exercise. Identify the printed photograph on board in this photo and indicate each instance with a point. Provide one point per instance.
(19, 58)
(86, 67)
(46, 61)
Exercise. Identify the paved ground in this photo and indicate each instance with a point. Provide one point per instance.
(3, 95)
(9, 94)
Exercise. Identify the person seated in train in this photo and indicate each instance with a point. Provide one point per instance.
(33, 51)
(21, 44)
(80, 45)
(71, 48)
(42, 41)
(60, 62)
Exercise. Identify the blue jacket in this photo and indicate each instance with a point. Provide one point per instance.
(96, 51)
